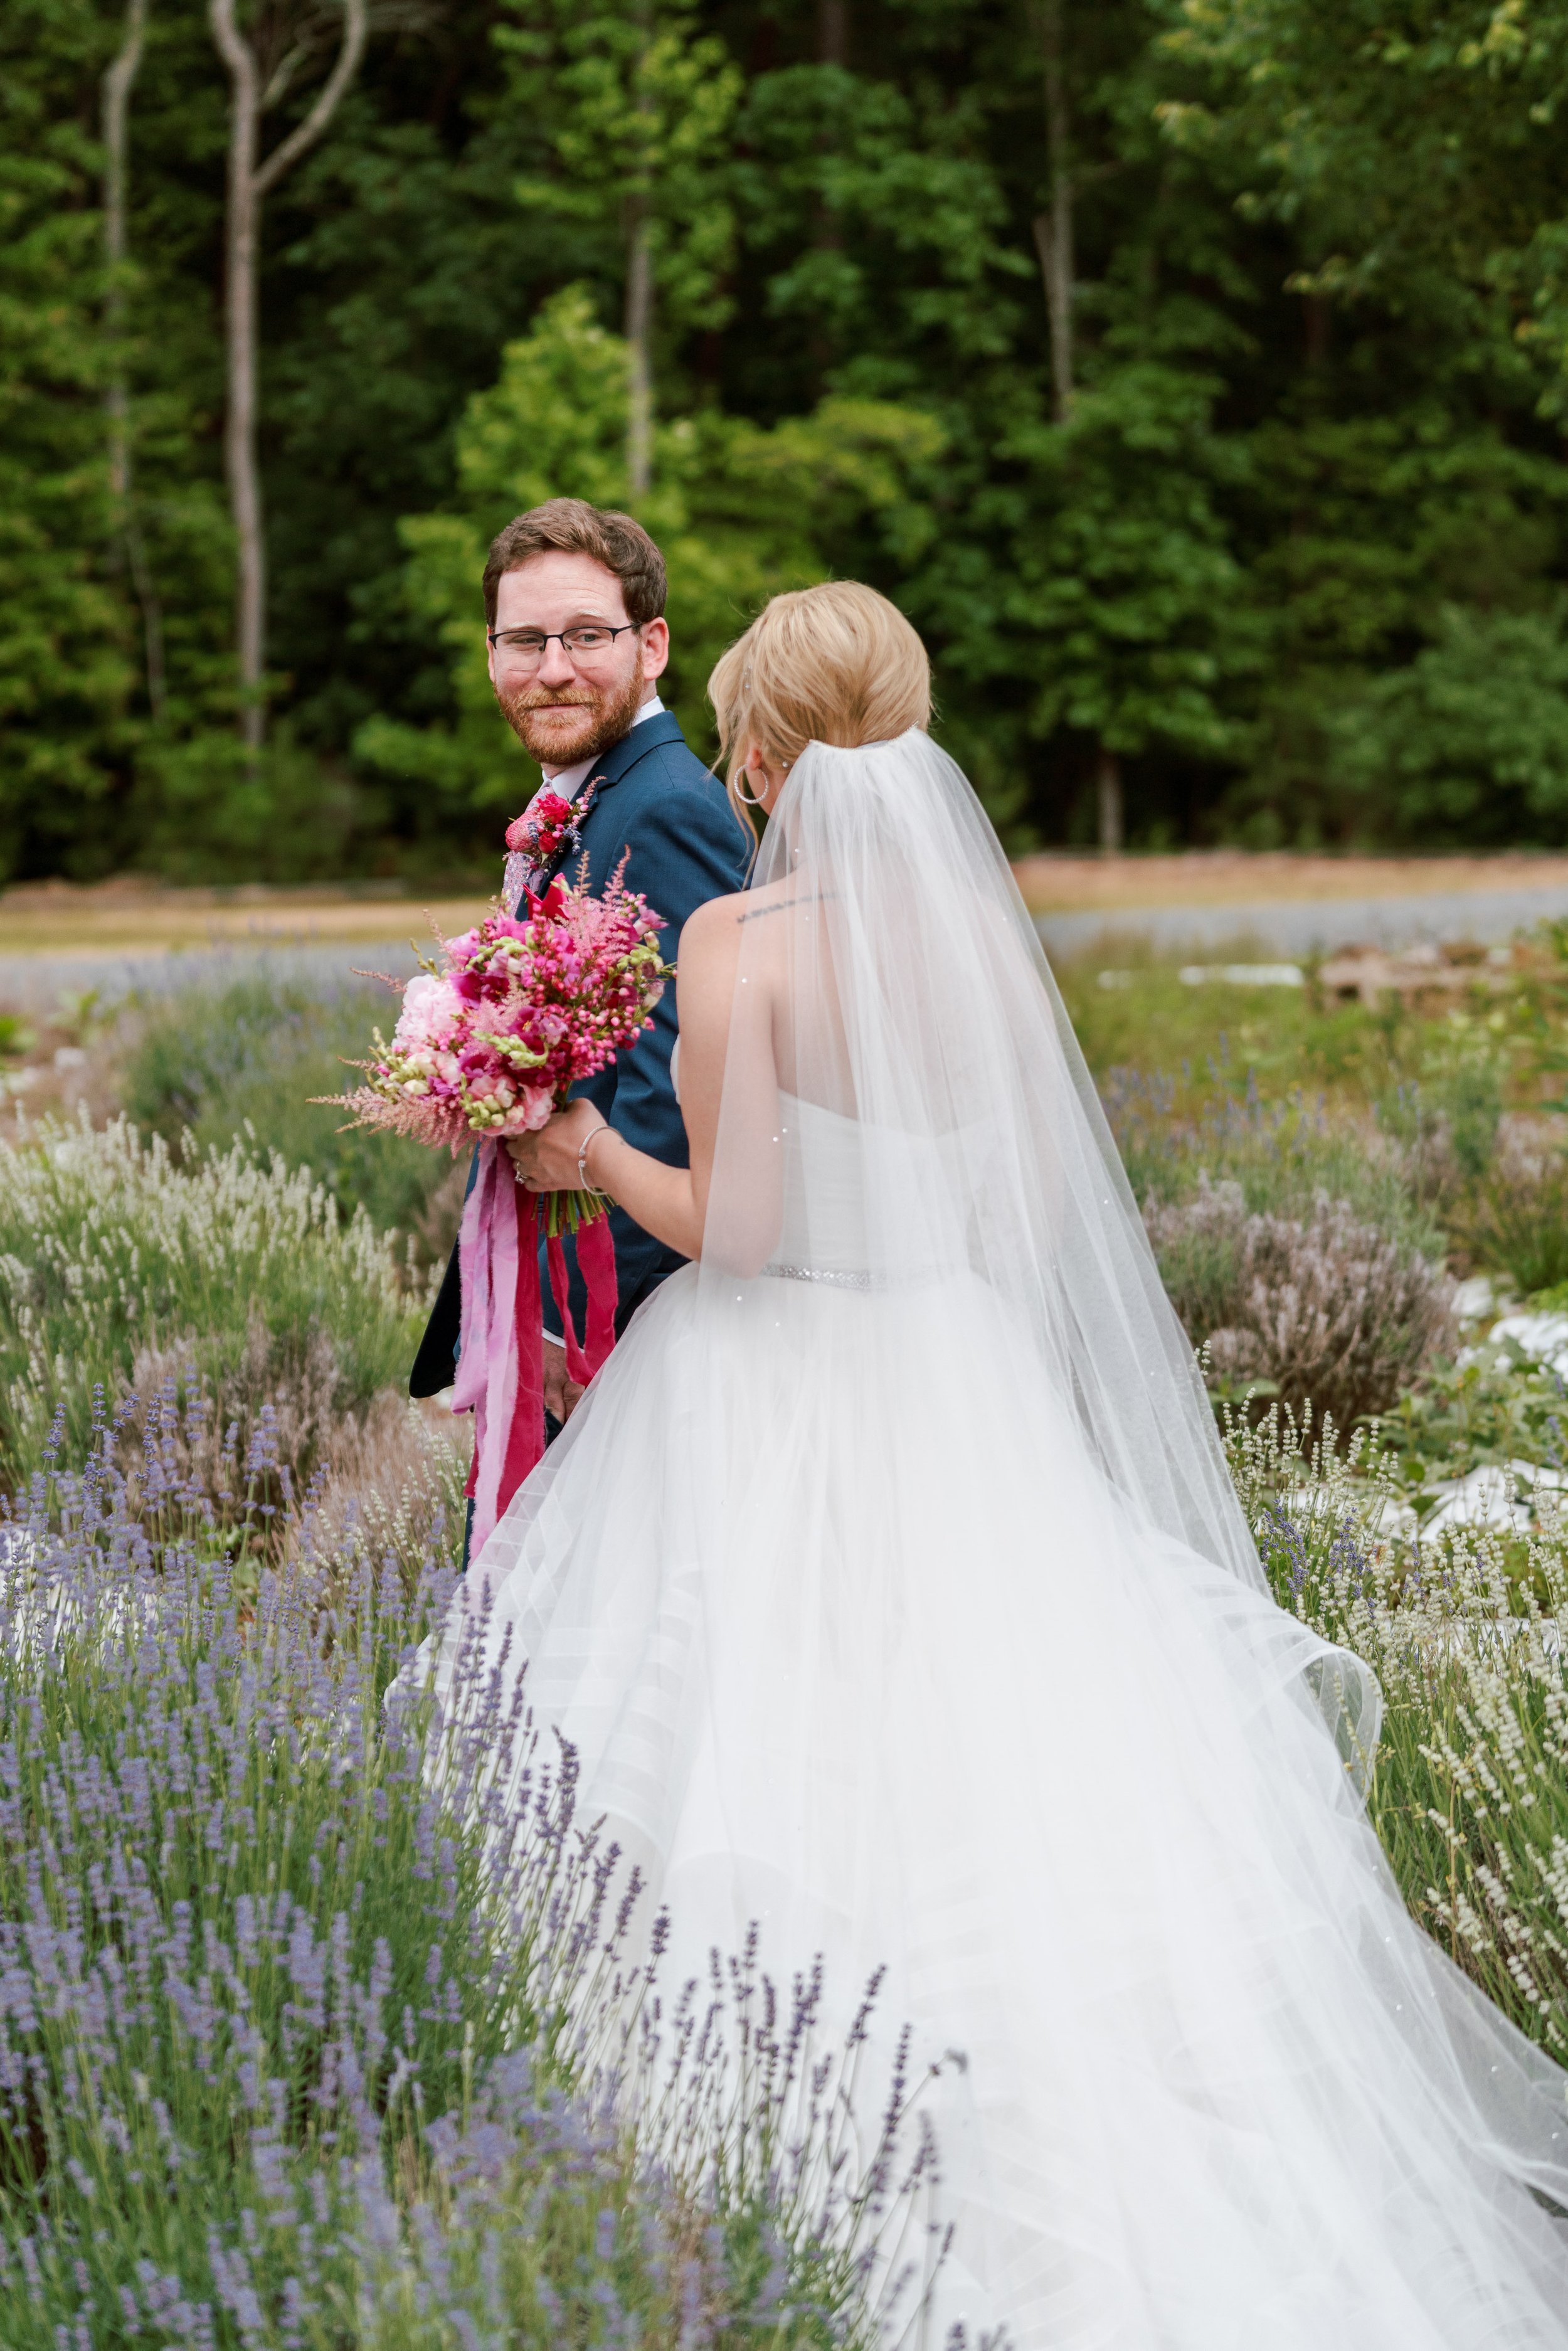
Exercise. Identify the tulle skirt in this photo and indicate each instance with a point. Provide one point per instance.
(855, 1642)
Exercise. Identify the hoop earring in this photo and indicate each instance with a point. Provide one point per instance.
(747, 799)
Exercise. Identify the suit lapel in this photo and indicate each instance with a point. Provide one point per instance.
(618, 762)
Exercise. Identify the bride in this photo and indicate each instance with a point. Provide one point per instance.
(890, 1586)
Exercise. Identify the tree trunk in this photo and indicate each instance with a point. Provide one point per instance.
(117, 88)
(1053, 228)
(639, 319)
(1108, 799)
(639, 338)
(118, 83)
(249, 184)
(239, 326)
(1319, 319)
(832, 49)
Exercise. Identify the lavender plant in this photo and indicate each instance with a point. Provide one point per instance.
(114, 1247)
(1519, 1219)
(1281, 1151)
(248, 1052)
(746, 2108)
(1469, 1790)
(296, 2031)
(1320, 1309)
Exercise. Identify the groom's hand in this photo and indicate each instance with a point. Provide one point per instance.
(562, 1394)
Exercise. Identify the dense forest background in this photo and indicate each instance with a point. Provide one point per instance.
(1195, 376)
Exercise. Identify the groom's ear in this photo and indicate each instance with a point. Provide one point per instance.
(655, 648)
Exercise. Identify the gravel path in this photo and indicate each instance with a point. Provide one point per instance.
(36, 983)
(1298, 927)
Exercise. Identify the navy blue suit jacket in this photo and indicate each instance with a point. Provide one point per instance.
(655, 804)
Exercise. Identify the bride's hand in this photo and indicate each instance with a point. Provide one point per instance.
(547, 1161)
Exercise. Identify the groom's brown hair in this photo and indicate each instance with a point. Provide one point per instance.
(571, 527)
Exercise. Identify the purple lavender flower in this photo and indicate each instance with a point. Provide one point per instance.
(294, 2026)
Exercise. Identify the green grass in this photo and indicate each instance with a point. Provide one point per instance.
(1281, 1152)
(1211, 1036)
(1408, 1111)
(1217, 1038)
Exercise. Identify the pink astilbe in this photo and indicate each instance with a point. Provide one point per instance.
(527, 1006)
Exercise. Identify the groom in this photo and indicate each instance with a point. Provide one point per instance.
(574, 602)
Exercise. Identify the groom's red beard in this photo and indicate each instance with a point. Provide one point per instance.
(588, 724)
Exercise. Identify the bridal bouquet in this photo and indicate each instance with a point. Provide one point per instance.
(525, 1006)
(486, 1046)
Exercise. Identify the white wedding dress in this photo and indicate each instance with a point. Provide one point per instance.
(888, 1586)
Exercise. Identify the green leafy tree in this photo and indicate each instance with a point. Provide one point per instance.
(1120, 601)
(1372, 532)
(739, 513)
(1085, 599)
(1407, 154)
(67, 667)
(1407, 502)
(639, 104)
(1468, 744)
(1192, 372)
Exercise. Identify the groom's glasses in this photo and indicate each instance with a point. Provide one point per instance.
(524, 649)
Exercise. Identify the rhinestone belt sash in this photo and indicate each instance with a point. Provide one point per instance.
(853, 1279)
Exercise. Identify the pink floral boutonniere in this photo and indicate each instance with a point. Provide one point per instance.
(547, 829)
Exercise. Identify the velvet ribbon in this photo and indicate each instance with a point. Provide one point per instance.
(596, 1262)
(500, 1371)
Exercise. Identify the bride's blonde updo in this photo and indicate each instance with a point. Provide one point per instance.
(836, 664)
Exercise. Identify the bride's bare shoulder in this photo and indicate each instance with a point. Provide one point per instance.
(711, 928)
(714, 927)
(722, 914)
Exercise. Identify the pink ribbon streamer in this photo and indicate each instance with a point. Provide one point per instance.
(500, 1372)
(596, 1256)
(596, 1261)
